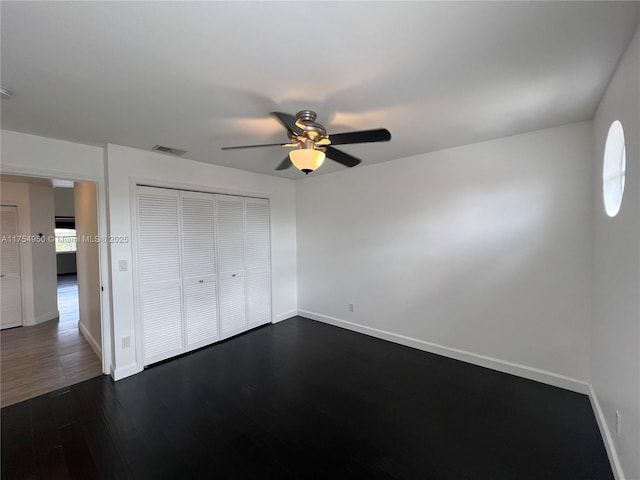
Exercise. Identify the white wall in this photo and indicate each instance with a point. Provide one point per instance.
(125, 166)
(88, 258)
(64, 202)
(24, 154)
(43, 254)
(615, 348)
(484, 248)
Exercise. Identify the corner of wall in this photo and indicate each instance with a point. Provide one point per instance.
(92, 341)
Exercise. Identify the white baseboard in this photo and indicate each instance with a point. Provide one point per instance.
(92, 341)
(606, 436)
(519, 370)
(118, 373)
(284, 316)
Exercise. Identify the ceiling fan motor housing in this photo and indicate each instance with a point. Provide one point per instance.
(305, 120)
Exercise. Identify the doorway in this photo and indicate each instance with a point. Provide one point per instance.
(10, 277)
(57, 341)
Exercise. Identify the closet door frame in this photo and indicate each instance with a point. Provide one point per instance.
(134, 183)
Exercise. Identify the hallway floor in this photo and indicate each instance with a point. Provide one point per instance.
(39, 359)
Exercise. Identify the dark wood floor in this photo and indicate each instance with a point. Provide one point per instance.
(303, 400)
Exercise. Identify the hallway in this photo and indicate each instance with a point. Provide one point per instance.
(38, 359)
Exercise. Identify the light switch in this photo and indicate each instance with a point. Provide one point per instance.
(124, 266)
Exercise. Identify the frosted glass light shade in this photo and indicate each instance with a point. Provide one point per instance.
(307, 159)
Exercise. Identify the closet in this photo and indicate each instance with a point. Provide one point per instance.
(204, 268)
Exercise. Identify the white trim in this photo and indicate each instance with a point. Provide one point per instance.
(609, 445)
(126, 371)
(102, 209)
(284, 316)
(46, 173)
(24, 254)
(519, 370)
(197, 187)
(92, 341)
(135, 273)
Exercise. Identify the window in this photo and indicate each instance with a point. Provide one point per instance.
(65, 240)
(615, 160)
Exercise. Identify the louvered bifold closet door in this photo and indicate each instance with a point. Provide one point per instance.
(160, 273)
(231, 264)
(10, 278)
(258, 261)
(199, 268)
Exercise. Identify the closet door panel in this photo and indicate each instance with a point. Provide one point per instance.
(233, 317)
(201, 313)
(258, 261)
(160, 273)
(231, 264)
(230, 213)
(199, 268)
(258, 299)
(162, 324)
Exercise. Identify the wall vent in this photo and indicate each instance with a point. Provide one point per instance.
(172, 151)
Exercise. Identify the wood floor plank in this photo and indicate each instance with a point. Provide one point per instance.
(46, 436)
(77, 454)
(301, 399)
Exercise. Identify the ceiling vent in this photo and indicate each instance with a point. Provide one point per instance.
(172, 151)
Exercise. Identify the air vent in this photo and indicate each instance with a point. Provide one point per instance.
(172, 151)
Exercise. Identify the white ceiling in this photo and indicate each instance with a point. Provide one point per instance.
(201, 75)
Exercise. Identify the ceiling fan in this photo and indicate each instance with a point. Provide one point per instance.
(313, 144)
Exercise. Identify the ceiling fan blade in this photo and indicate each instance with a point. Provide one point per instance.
(288, 121)
(284, 164)
(362, 136)
(254, 146)
(342, 157)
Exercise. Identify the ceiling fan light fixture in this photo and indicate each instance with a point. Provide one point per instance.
(307, 159)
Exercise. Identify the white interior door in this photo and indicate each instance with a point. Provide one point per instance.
(160, 273)
(258, 261)
(231, 264)
(199, 268)
(10, 286)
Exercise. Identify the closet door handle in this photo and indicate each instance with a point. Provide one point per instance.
(233, 275)
(200, 281)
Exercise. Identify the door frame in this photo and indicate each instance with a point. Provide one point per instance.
(19, 206)
(103, 261)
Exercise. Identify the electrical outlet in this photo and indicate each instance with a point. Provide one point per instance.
(618, 424)
(126, 342)
(351, 307)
